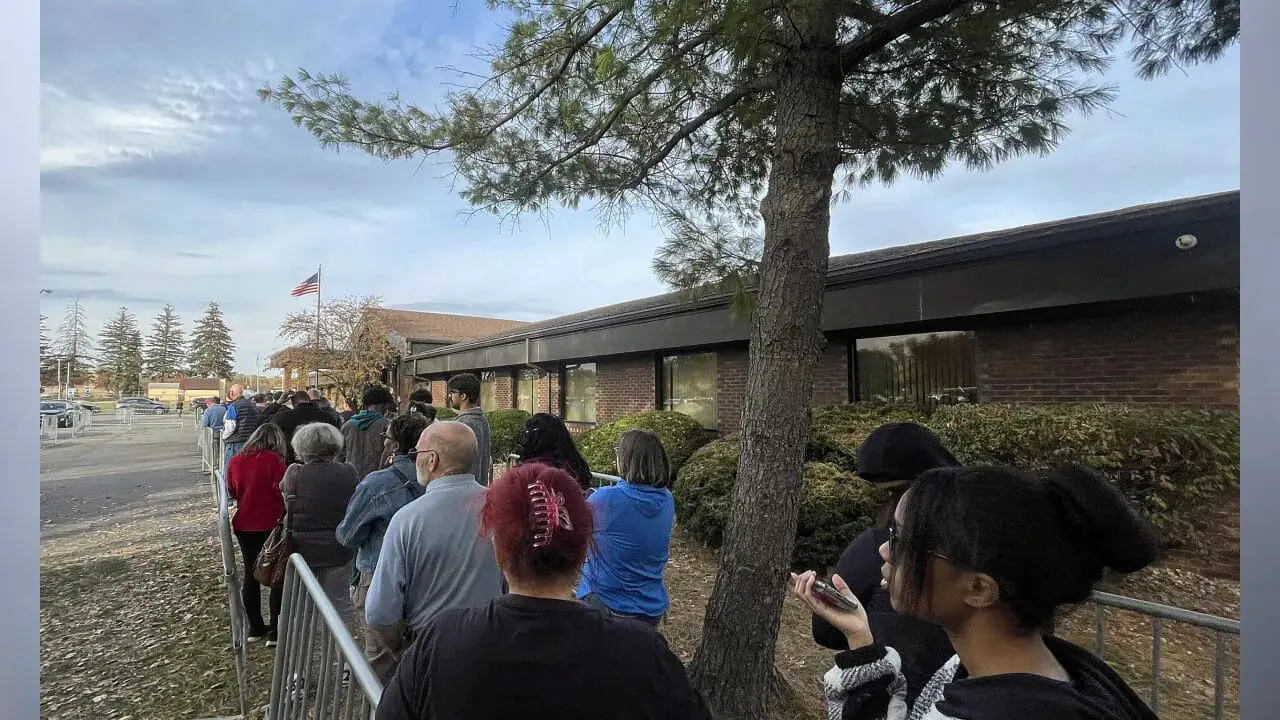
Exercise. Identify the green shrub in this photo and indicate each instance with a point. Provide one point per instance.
(506, 427)
(1168, 461)
(836, 431)
(835, 506)
(680, 434)
(445, 413)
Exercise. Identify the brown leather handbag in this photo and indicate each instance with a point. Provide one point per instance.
(273, 560)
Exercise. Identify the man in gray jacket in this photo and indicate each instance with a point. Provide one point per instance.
(433, 556)
(464, 396)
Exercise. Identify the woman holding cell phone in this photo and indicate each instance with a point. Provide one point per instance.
(890, 458)
(990, 555)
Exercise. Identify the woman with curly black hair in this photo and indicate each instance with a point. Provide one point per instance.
(546, 440)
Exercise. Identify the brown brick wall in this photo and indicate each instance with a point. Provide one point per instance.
(1171, 358)
(439, 388)
(552, 382)
(624, 385)
(503, 392)
(731, 388)
(831, 377)
(830, 382)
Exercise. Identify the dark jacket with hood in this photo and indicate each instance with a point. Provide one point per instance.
(867, 684)
(894, 452)
(362, 445)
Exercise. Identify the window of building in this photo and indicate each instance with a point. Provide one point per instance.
(925, 370)
(580, 393)
(421, 347)
(488, 391)
(689, 386)
(527, 393)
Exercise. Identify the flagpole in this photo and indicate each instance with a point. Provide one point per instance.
(319, 268)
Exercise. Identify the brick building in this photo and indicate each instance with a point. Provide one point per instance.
(1139, 305)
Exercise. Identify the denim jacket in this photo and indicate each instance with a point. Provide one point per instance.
(379, 496)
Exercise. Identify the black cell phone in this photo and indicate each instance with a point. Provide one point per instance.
(832, 596)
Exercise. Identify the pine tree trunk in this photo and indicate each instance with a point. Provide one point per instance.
(734, 665)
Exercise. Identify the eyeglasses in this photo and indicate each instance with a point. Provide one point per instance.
(895, 536)
(414, 452)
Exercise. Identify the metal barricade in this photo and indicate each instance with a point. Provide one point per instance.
(81, 421)
(601, 479)
(210, 444)
(126, 417)
(1220, 626)
(319, 671)
(49, 428)
(231, 577)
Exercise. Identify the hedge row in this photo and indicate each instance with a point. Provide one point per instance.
(680, 434)
(1168, 462)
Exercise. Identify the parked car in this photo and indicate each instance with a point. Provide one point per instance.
(143, 406)
(62, 411)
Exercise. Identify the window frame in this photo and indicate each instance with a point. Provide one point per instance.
(518, 378)
(666, 399)
(488, 378)
(966, 379)
(565, 397)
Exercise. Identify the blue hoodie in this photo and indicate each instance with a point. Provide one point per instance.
(632, 544)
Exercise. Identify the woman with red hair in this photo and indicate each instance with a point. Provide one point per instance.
(537, 652)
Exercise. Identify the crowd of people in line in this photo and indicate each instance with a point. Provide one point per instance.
(479, 595)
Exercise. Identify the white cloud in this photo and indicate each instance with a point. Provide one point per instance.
(164, 179)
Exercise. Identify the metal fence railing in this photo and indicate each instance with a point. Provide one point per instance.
(601, 478)
(1159, 614)
(48, 428)
(319, 670)
(231, 578)
(209, 443)
(51, 431)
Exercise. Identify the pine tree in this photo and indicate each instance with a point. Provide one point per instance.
(166, 351)
(48, 366)
(120, 353)
(73, 344)
(211, 347)
(725, 118)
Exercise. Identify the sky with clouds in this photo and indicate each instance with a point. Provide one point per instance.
(164, 180)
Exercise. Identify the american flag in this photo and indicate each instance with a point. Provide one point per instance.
(307, 287)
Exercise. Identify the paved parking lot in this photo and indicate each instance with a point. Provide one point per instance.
(115, 472)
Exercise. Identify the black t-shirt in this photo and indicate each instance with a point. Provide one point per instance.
(923, 646)
(537, 658)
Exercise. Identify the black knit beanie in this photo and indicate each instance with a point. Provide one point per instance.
(901, 451)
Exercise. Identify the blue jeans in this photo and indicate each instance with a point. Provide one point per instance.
(229, 451)
(594, 602)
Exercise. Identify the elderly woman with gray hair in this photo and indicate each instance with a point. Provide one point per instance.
(317, 491)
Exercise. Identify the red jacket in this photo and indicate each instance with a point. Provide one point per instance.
(253, 481)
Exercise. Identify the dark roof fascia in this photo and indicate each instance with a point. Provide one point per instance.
(966, 250)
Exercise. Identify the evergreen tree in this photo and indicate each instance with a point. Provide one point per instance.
(211, 347)
(73, 345)
(166, 350)
(120, 353)
(725, 118)
(48, 365)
